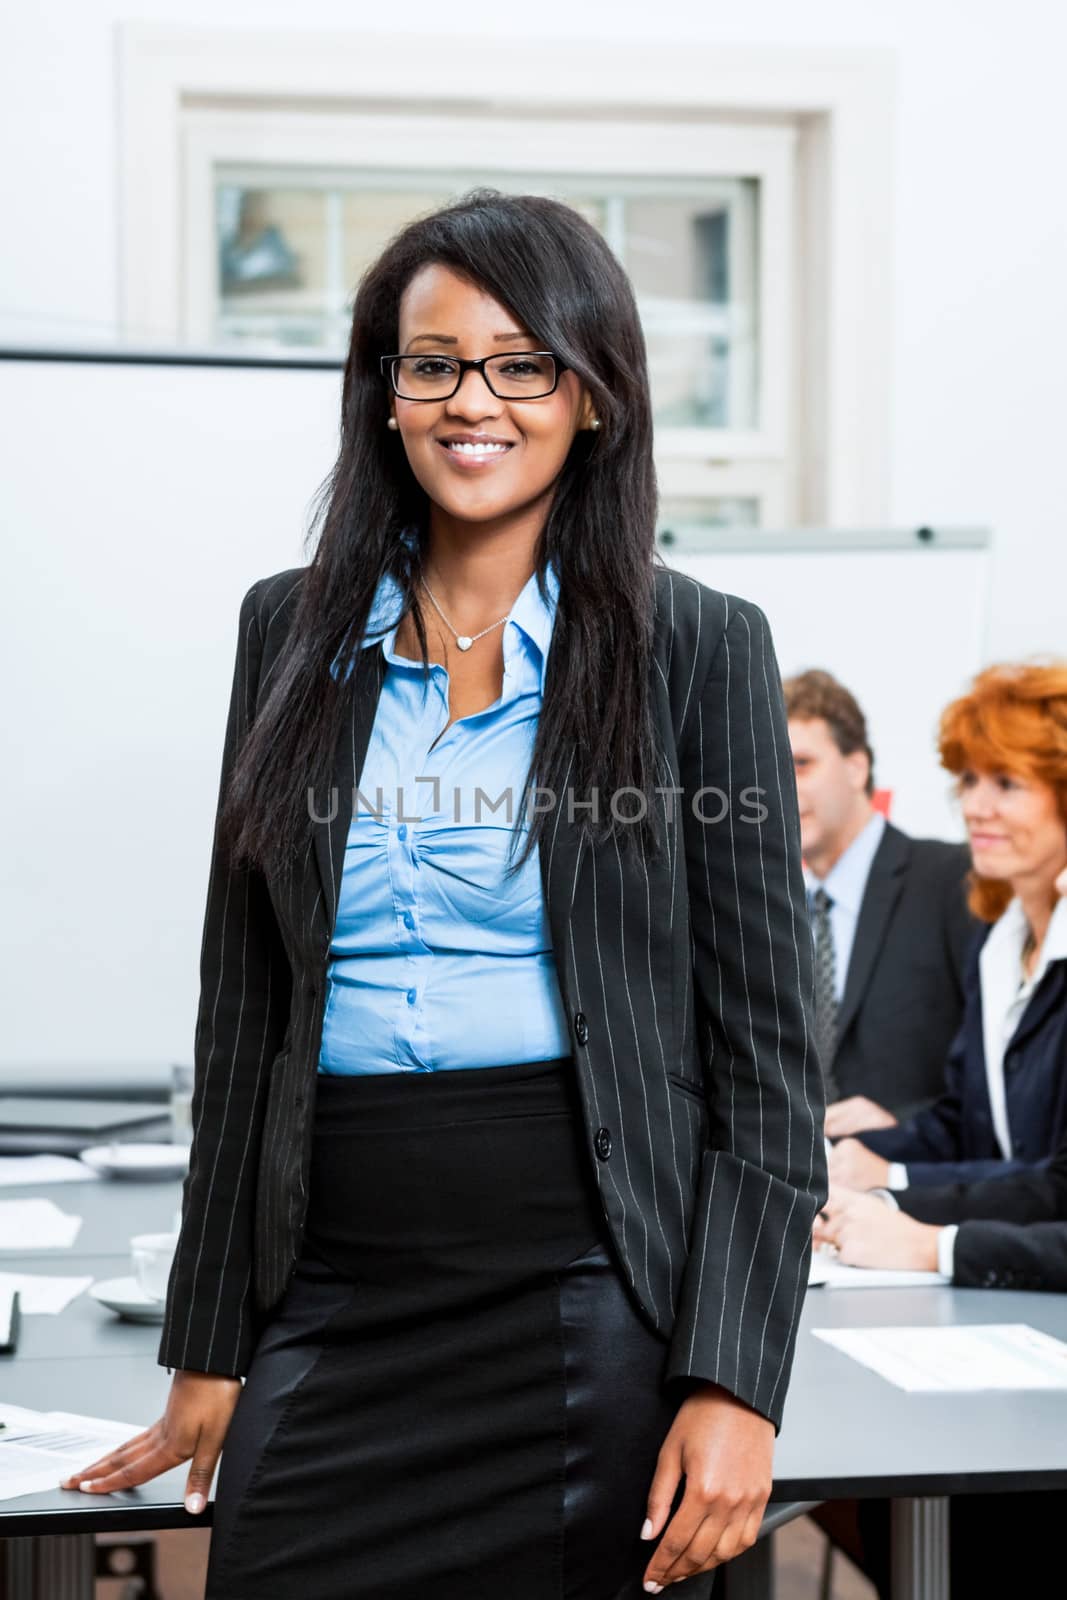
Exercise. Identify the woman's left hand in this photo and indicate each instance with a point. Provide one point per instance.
(725, 1450)
(853, 1166)
(869, 1233)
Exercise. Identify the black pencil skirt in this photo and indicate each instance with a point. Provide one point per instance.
(456, 1398)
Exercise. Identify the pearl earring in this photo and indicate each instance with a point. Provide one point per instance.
(392, 423)
(595, 423)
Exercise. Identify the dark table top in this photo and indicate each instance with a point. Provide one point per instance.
(113, 1210)
(846, 1430)
(89, 1361)
(101, 1080)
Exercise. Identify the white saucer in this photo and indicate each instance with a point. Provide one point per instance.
(137, 1160)
(126, 1297)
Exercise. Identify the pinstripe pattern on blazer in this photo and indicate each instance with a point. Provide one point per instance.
(688, 987)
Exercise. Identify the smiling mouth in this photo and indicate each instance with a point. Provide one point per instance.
(474, 452)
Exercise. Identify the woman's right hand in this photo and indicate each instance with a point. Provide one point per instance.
(194, 1424)
(857, 1114)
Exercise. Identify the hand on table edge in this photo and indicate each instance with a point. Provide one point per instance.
(193, 1426)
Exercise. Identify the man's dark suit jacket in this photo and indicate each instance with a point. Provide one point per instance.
(903, 995)
(1013, 1230)
(687, 984)
(954, 1141)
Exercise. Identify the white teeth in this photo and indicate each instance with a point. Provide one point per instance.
(477, 449)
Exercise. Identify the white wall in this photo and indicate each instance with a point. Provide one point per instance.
(125, 572)
(980, 268)
(981, 244)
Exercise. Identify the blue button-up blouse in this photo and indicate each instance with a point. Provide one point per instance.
(437, 961)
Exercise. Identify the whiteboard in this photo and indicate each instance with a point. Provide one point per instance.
(902, 625)
(138, 502)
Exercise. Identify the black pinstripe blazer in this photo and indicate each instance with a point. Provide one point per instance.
(687, 985)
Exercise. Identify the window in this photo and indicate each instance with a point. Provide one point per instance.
(747, 190)
(695, 213)
(291, 245)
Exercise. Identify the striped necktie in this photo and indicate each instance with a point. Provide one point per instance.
(825, 998)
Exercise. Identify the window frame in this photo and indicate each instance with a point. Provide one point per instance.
(275, 148)
(831, 427)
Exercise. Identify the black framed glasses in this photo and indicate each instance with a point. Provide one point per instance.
(512, 375)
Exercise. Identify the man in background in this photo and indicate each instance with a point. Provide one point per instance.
(889, 919)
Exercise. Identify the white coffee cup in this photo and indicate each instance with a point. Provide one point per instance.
(152, 1255)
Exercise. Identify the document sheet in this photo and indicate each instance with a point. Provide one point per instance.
(38, 1448)
(1008, 1355)
(826, 1271)
(36, 1225)
(40, 1294)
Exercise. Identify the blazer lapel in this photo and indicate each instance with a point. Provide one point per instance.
(884, 883)
(331, 833)
(564, 845)
(560, 853)
(1047, 997)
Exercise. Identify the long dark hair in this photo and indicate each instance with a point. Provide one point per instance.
(548, 266)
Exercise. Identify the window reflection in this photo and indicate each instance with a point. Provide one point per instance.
(682, 522)
(290, 255)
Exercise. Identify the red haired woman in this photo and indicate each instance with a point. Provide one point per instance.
(1005, 1105)
(1006, 741)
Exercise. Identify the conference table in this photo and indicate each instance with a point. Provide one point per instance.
(846, 1432)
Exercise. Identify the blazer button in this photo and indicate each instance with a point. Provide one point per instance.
(581, 1027)
(602, 1143)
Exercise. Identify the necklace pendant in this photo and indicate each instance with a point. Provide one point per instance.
(463, 642)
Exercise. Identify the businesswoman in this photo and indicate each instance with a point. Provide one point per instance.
(507, 1120)
(1005, 1102)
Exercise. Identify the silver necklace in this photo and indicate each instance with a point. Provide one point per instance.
(463, 640)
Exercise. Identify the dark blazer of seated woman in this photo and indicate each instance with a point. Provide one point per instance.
(953, 1141)
(1012, 1234)
(1012, 1230)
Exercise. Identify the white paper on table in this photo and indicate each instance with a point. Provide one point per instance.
(45, 1169)
(830, 1273)
(820, 1261)
(36, 1225)
(40, 1295)
(38, 1448)
(996, 1355)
